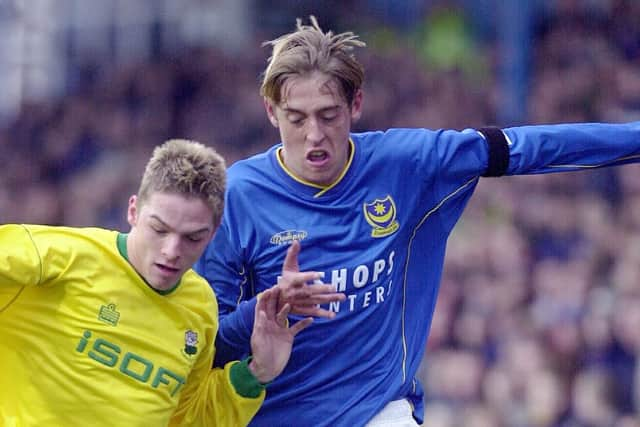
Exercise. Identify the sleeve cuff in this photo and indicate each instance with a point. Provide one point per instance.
(245, 384)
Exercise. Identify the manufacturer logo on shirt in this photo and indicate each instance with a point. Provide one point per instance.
(381, 215)
(108, 314)
(288, 236)
(190, 343)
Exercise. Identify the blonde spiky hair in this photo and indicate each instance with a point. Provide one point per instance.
(188, 168)
(309, 49)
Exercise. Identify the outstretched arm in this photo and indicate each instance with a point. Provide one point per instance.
(231, 396)
(272, 337)
(571, 147)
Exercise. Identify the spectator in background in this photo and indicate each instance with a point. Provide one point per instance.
(373, 211)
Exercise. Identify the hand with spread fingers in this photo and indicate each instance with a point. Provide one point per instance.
(305, 291)
(272, 337)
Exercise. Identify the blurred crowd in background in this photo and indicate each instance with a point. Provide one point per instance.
(538, 319)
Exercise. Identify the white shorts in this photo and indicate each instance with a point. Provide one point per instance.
(397, 413)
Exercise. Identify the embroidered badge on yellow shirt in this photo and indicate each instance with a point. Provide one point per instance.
(109, 314)
(190, 340)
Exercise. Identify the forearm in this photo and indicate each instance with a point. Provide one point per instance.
(229, 397)
(234, 334)
(568, 147)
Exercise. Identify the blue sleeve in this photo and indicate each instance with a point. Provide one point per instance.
(236, 309)
(234, 334)
(569, 147)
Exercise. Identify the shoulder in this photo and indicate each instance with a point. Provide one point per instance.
(67, 234)
(394, 144)
(197, 287)
(390, 137)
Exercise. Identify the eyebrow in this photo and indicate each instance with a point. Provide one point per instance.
(322, 110)
(200, 230)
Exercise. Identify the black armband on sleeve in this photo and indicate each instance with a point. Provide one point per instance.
(498, 151)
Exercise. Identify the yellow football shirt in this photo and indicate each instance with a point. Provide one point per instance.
(84, 341)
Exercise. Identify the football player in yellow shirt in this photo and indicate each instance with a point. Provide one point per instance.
(100, 328)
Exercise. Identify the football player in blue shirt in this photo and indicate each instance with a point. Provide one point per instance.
(372, 212)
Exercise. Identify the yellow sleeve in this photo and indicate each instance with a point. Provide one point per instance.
(221, 397)
(218, 403)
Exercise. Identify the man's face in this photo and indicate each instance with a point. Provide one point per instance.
(314, 121)
(168, 234)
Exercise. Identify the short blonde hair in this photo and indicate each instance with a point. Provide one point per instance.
(309, 49)
(188, 168)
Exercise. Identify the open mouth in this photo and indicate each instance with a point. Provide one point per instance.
(317, 156)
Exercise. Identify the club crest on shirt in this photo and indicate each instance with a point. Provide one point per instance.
(190, 342)
(381, 215)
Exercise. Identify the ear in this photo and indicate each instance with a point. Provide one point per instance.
(356, 105)
(271, 113)
(132, 211)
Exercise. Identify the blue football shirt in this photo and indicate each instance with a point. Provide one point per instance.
(379, 234)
